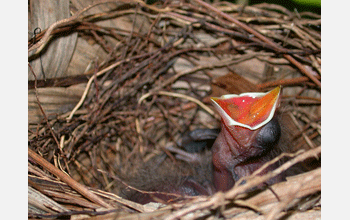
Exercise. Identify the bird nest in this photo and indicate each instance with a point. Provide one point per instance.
(150, 74)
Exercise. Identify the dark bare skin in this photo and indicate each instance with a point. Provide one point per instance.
(247, 140)
(239, 152)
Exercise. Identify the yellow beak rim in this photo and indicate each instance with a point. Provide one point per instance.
(250, 110)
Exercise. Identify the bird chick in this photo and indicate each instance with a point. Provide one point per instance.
(249, 135)
(249, 132)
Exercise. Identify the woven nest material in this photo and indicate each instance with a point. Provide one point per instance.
(139, 77)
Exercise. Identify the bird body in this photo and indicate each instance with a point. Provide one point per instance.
(250, 132)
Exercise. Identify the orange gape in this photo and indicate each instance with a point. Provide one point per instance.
(239, 150)
(249, 110)
(248, 137)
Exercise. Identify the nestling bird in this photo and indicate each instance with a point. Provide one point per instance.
(250, 131)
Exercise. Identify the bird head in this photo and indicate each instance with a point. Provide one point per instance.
(246, 115)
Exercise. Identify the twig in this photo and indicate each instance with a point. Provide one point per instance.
(214, 201)
(43, 41)
(220, 198)
(103, 130)
(87, 88)
(237, 189)
(67, 179)
(285, 82)
(263, 38)
(307, 139)
(178, 95)
(41, 109)
(311, 183)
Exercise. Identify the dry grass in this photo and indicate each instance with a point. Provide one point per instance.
(160, 64)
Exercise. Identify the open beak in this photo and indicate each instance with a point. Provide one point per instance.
(250, 110)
